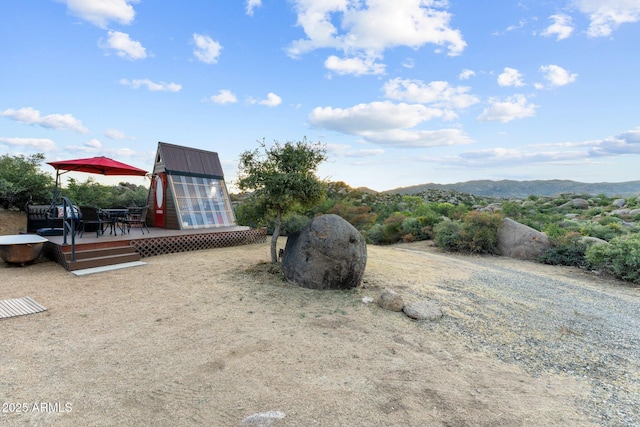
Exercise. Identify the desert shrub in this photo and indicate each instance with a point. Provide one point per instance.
(538, 219)
(512, 209)
(360, 216)
(621, 257)
(392, 228)
(476, 233)
(251, 212)
(481, 230)
(554, 230)
(390, 231)
(374, 235)
(604, 232)
(22, 181)
(610, 220)
(447, 235)
(590, 213)
(413, 229)
(449, 210)
(566, 250)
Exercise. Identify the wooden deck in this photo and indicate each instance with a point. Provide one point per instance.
(108, 249)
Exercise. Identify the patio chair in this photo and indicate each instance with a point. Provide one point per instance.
(90, 216)
(137, 218)
(114, 218)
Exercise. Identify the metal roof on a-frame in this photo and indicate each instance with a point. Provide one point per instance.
(190, 161)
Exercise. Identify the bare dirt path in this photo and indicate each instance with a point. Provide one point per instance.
(200, 338)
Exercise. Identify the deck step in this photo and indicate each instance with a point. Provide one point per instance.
(100, 252)
(102, 261)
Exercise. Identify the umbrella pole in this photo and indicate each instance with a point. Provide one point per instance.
(54, 202)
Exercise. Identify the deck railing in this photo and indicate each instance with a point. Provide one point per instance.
(69, 221)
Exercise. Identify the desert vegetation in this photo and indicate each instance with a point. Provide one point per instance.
(594, 232)
(601, 233)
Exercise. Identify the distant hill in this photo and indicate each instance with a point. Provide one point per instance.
(522, 189)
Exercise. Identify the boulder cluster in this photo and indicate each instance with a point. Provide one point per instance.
(418, 310)
(519, 241)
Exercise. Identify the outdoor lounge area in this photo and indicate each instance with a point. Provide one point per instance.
(187, 208)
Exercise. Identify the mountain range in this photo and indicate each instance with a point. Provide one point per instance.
(522, 189)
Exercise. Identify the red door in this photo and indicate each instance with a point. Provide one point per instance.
(159, 188)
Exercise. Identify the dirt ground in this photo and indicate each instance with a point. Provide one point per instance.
(211, 338)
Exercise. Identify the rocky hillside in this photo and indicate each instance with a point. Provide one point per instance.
(523, 189)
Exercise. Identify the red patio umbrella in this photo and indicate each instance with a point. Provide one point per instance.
(100, 165)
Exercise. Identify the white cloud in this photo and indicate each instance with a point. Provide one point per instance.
(510, 77)
(438, 93)
(606, 16)
(514, 107)
(124, 46)
(252, 5)
(224, 96)
(116, 134)
(625, 143)
(375, 116)
(568, 153)
(562, 27)
(521, 24)
(418, 138)
(368, 27)
(207, 50)
(466, 74)
(39, 144)
(513, 157)
(387, 123)
(408, 63)
(93, 143)
(151, 86)
(342, 150)
(272, 100)
(355, 66)
(557, 76)
(31, 116)
(100, 12)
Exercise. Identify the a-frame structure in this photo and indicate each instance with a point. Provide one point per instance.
(188, 190)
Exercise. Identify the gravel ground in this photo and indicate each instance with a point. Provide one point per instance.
(556, 326)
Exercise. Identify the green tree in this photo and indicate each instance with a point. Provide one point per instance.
(282, 179)
(22, 181)
(92, 193)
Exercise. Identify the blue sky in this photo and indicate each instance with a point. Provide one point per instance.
(401, 92)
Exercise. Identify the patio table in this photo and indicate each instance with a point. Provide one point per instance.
(114, 217)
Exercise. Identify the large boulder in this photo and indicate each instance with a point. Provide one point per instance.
(328, 253)
(619, 203)
(576, 203)
(519, 241)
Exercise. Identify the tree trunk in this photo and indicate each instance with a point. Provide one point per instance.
(274, 238)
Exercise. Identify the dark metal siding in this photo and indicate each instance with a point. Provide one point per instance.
(190, 161)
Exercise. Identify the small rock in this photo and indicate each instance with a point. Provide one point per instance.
(367, 300)
(390, 300)
(621, 212)
(422, 310)
(590, 240)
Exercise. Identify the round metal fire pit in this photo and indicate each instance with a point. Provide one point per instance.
(21, 248)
